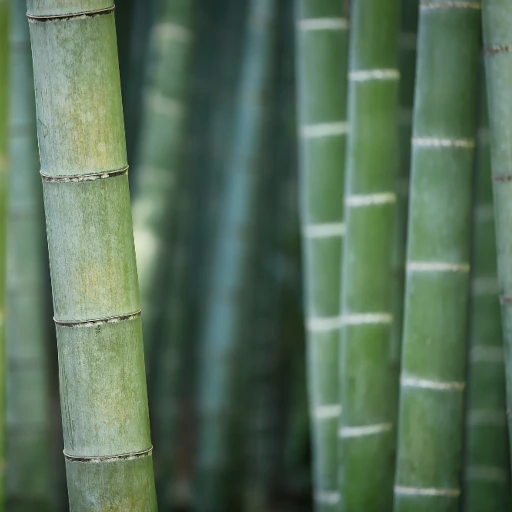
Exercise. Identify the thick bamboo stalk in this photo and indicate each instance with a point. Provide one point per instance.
(486, 468)
(367, 428)
(322, 55)
(434, 338)
(497, 35)
(82, 150)
(4, 87)
(28, 408)
(221, 379)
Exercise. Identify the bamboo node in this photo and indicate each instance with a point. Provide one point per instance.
(359, 200)
(323, 324)
(435, 142)
(435, 385)
(426, 491)
(322, 412)
(367, 430)
(56, 17)
(77, 178)
(323, 24)
(95, 459)
(499, 48)
(98, 321)
(436, 266)
(450, 5)
(327, 230)
(367, 319)
(366, 75)
(327, 497)
(315, 131)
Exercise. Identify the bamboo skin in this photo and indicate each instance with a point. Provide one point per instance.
(486, 465)
(28, 409)
(82, 151)
(434, 338)
(322, 55)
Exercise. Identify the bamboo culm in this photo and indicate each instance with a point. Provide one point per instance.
(497, 36)
(368, 380)
(486, 464)
(82, 151)
(432, 382)
(28, 409)
(224, 328)
(322, 55)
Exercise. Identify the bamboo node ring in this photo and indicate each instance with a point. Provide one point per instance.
(67, 16)
(95, 459)
(76, 178)
(95, 322)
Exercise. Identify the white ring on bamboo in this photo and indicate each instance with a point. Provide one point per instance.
(327, 497)
(164, 105)
(367, 319)
(316, 131)
(326, 230)
(450, 5)
(482, 354)
(487, 474)
(426, 491)
(486, 417)
(358, 200)
(436, 142)
(435, 385)
(323, 412)
(323, 24)
(368, 430)
(436, 266)
(174, 32)
(367, 75)
(323, 324)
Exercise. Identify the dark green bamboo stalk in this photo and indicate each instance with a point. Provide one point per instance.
(28, 408)
(486, 470)
(4, 87)
(497, 34)
(322, 55)
(367, 428)
(82, 150)
(434, 339)
(225, 325)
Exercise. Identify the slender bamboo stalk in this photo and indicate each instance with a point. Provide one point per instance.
(322, 55)
(4, 87)
(82, 150)
(497, 35)
(221, 379)
(28, 408)
(434, 339)
(367, 427)
(486, 470)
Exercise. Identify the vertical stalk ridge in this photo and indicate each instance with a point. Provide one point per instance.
(322, 60)
(497, 36)
(368, 380)
(28, 408)
(96, 301)
(486, 469)
(438, 251)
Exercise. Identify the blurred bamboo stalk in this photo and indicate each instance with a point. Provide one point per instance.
(368, 382)
(486, 469)
(107, 443)
(28, 409)
(434, 340)
(221, 374)
(322, 60)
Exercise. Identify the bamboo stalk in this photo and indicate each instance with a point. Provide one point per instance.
(497, 36)
(434, 339)
(4, 88)
(82, 150)
(28, 408)
(322, 54)
(221, 380)
(367, 427)
(486, 469)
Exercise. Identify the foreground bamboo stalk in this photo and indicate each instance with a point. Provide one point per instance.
(434, 338)
(28, 408)
(322, 54)
(82, 150)
(497, 34)
(367, 428)
(486, 470)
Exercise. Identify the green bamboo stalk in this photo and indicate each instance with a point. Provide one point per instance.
(4, 88)
(28, 408)
(322, 55)
(486, 469)
(368, 382)
(434, 339)
(220, 367)
(82, 150)
(497, 35)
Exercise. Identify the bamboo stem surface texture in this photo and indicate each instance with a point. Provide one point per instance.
(82, 151)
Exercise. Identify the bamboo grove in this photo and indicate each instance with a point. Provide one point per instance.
(255, 255)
